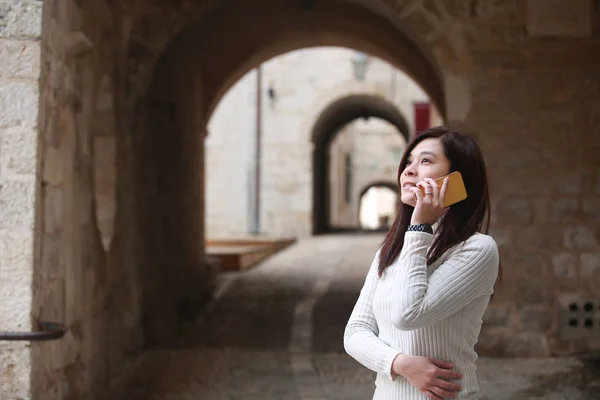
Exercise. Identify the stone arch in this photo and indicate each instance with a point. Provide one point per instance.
(278, 27)
(327, 126)
(173, 92)
(388, 184)
(393, 186)
(353, 87)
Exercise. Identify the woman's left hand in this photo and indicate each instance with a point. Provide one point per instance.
(430, 205)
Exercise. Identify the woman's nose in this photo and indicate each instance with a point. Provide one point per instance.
(408, 171)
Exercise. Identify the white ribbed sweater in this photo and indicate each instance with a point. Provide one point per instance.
(433, 311)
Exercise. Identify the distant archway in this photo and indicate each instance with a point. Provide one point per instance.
(329, 123)
(393, 187)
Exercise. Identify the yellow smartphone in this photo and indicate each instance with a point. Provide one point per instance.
(455, 191)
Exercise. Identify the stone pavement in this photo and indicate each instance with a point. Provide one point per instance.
(275, 332)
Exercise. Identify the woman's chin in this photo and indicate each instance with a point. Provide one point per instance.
(408, 199)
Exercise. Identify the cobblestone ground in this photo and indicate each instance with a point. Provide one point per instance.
(275, 332)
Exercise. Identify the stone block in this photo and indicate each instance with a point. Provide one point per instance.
(18, 103)
(538, 236)
(502, 235)
(77, 43)
(500, 59)
(568, 285)
(571, 183)
(590, 265)
(17, 201)
(15, 303)
(565, 265)
(530, 344)
(104, 165)
(22, 19)
(514, 210)
(19, 151)
(497, 315)
(523, 264)
(565, 210)
(541, 210)
(533, 291)
(51, 296)
(53, 168)
(580, 237)
(53, 210)
(523, 157)
(14, 371)
(51, 252)
(491, 342)
(535, 319)
(591, 209)
(19, 59)
(459, 86)
(556, 18)
(16, 254)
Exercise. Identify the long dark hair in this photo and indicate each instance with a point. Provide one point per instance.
(462, 219)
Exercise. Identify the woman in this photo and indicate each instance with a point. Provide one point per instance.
(430, 283)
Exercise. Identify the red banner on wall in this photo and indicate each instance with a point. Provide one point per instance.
(422, 116)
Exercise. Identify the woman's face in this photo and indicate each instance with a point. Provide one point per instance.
(426, 160)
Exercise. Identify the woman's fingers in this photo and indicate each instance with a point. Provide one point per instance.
(449, 386)
(441, 392)
(431, 395)
(434, 188)
(418, 193)
(443, 190)
(440, 363)
(448, 374)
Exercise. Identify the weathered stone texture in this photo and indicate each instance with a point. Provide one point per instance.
(590, 265)
(21, 19)
(20, 23)
(120, 257)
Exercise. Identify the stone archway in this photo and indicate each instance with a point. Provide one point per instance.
(278, 27)
(177, 92)
(327, 126)
(393, 186)
(60, 263)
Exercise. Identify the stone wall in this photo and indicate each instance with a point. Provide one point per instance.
(116, 253)
(20, 30)
(120, 258)
(535, 104)
(81, 276)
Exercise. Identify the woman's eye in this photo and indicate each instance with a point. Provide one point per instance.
(425, 161)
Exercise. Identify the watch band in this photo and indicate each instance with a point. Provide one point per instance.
(421, 228)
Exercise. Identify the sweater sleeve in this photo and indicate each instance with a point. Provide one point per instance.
(420, 300)
(361, 339)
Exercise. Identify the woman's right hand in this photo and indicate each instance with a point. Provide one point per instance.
(427, 374)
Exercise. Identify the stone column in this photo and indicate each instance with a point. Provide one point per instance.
(20, 31)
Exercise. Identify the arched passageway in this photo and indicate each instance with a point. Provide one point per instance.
(183, 88)
(131, 281)
(267, 120)
(328, 125)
